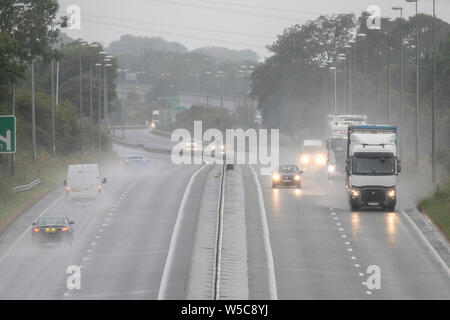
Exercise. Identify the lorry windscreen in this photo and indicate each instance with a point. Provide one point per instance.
(312, 149)
(373, 164)
(339, 145)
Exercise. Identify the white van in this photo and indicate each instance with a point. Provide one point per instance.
(84, 181)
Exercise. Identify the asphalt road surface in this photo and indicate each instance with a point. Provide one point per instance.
(121, 242)
(323, 250)
(319, 249)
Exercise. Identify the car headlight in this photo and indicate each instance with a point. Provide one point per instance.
(331, 168)
(305, 159)
(276, 177)
(297, 177)
(355, 193)
(391, 193)
(320, 159)
(213, 147)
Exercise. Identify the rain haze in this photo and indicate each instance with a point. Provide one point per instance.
(234, 24)
(207, 150)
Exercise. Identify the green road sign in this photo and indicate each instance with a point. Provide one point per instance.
(7, 134)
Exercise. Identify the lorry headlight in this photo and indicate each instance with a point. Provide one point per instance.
(355, 193)
(304, 159)
(320, 159)
(331, 168)
(297, 177)
(391, 193)
(276, 177)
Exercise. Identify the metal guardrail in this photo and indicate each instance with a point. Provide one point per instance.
(140, 146)
(26, 187)
(219, 236)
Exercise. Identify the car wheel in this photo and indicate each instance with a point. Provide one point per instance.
(299, 185)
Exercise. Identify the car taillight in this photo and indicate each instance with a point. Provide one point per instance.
(121, 162)
(64, 229)
(67, 189)
(99, 188)
(35, 229)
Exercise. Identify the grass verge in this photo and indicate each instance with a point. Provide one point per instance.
(437, 208)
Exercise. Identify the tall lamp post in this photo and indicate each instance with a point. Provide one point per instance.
(433, 108)
(401, 74)
(416, 146)
(335, 93)
(13, 156)
(81, 44)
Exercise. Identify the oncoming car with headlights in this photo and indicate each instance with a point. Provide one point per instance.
(52, 229)
(287, 175)
(313, 154)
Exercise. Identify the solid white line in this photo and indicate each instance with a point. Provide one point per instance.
(27, 229)
(174, 238)
(425, 240)
(267, 247)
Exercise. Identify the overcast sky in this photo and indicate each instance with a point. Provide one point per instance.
(237, 24)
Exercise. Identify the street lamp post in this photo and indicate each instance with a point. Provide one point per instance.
(13, 156)
(99, 65)
(416, 146)
(433, 108)
(94, 45)
(335, 93)
(351, 55)
(81, 43)
(401, 74)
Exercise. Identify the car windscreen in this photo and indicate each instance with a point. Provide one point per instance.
(373, 164)
(51, 222)
(135, 158)
(288, 169)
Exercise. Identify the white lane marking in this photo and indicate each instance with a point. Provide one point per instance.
(353, 258)
(341, 229)
(344, 236)
(349, 249)
(369, 292)
(336, 218)
(267, 246)
(27, 229)
(93, 244)
(338, 223)
(357, 265)
(174, 238)
(333, 213)
(104, 225)
(361, 274)
(347, 243)
(101, 230)
(425, 240)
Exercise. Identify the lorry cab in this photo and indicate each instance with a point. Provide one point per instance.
(84, 181)
(372, 166)
(313, 154)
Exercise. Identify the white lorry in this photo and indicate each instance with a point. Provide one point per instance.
(84, 181)
(337, 140)
(372, 166)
